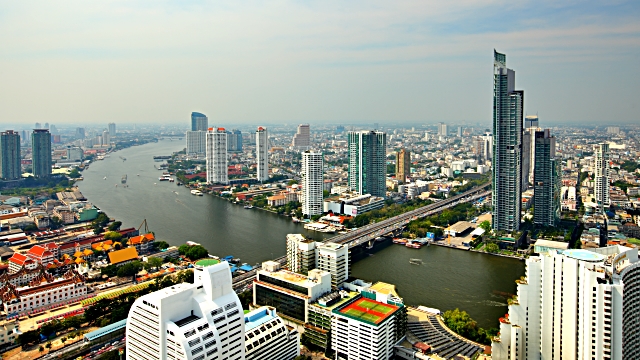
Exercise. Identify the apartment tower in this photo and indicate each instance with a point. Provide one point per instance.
(403, 165)
(312, 183)
(367, 162)
(507, 147)
(41, 152)
(546, 189)
(302, 139)
(10, 155)
(262, 154)
(199, 122)
(601, 176)
(216, 154)
(112, 129)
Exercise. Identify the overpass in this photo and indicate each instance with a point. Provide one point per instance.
(368, 233)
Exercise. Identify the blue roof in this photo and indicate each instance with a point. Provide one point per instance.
(256, 318)
(227, 258)
(105, 330)
(246, 267)
(234, 269)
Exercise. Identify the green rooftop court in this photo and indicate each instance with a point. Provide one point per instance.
(368, 310)
(207, 262)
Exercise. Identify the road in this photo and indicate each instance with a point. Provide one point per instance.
(371, 231)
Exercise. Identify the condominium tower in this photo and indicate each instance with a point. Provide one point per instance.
(546, 180)
(262, 154)
(10, 155)
(403, 165)
(601, 176)
(234, 140)
(367, 162)
(41, 152)
(216, 155)
(196, 142)
(507, 147)
(312, 183)
(203, 320)
(112, 129)
(199, 122)
(442, 129)
(302, 139)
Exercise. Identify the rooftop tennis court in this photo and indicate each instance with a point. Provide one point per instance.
(368, 310)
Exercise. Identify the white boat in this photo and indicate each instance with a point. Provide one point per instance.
(196, 192)
(105, 178)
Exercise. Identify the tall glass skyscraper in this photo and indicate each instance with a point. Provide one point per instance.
(546, 178)
(41, 152)
(199, 122)
(507, 146)
(10, 155)
(367, 165)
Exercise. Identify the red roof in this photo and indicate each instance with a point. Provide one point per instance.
(19, 259)
(52, 245)
(39, 251)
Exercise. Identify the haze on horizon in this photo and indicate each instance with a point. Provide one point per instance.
(291, 61)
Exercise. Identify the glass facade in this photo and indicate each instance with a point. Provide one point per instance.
(286, 304)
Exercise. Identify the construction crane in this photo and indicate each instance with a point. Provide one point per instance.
(146, 227)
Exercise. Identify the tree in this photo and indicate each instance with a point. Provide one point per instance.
(115, 226)
(196, 252)
(63, 340)
(154, 262)
(113, 235)
(161, 245)
(485, 225)
(182, 250)
(130, 269)
(55, 223)
(492, 248)
(41, 349)
(29, 337)
(74, 174)
(48, 345)
(578, 244)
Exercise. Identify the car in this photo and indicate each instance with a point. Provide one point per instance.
(114, 343)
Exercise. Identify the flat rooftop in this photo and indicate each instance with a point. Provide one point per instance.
(368, 311)
(291, 277)
(256, 318)
(584, 255)
(340, 302)
(385, 288)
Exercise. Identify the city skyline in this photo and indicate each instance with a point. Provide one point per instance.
(316, 62)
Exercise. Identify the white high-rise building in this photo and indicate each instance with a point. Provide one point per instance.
(198, 321)
(302, 139)
(216, 154)
(262, 154)
(574, 304)
(301, 253)
(267, 336)
(334, 258)
(442, 129)
(106, 138)
(312, 183)
(196, 142)
(601, 176)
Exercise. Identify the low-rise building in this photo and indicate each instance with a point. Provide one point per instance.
(124, 256)
(170, 252)
(142, 243)
(18, 261)
(21, 277)
(352, 203)
(268, 337)
(9, 331)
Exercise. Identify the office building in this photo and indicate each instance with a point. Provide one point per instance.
(106, 138)
(574, 304)
(74, 153)
(601, 172)
(268, 337)
(198, 321)
(531, 121)
(459, 134)
(196, 142)
(526, 159)
(216, 155)
(613, 130)
(302, 139)
(352, 203)
(289, 292)
(80, 133)
(112, 129)
(507, 147)
(312, 183)
(334, 259)
(366, 327)
(234, 141)
(403, 165)
(367, 162)
(262, 154)
(53, 129)
(46, 125)
(301, 253)
(442, 129)
(10, 155)
(199, 122)
(41, 152)
(546, 190)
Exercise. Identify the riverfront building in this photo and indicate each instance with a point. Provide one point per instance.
(507, 147)
(312, 183)
(41, 152)
(196, 142)
(367, 162)
(574, 304)
(217, 169)
(10, 155)
(301, 254)
(112, 129)
(199, 122)
(198, 321)
(602, 169)
(302, 138)
(352, 203)
(334, 259)
(262, 154)
(267, 336)
(403, 165)
(546, 180)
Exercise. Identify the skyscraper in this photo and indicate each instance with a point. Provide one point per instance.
(199, 122)
(262, 154)
(38, 126)
(189, 321)
(601, 176)
(367, 162)
(41, 152)
(459, 134)
(442, 129)
(216, 154)
(106, 137)
(80, 133)
(403, 165)
(546, 199)
(112, 129)
(526, 159)
(10, 155)
(234, 140)
(312, 183)
(302, 138)
(196, 142)
(531, 121)
(507, 147)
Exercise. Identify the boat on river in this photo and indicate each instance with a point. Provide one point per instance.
(196, 192)
(416, 261)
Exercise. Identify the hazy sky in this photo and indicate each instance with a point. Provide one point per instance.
(324, 61)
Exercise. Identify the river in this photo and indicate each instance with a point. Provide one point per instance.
(448, 279)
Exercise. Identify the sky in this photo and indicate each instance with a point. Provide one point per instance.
(246, 62)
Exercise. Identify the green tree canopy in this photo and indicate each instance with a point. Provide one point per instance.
(113, 235)
(115, 226)
(485, 225)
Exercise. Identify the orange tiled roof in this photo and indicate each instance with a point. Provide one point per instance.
(118, 256)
